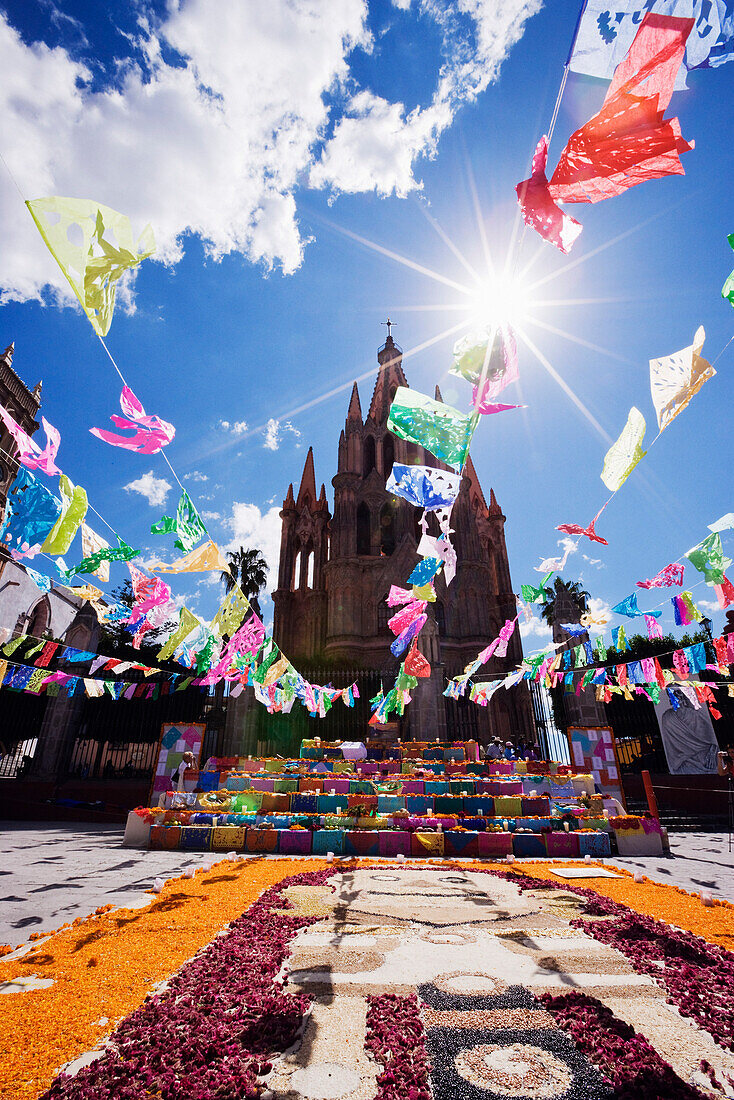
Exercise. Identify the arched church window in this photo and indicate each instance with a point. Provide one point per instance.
(369, 462)
(383, 614)
(298, 571)
(364, 533)
(388, 455)
(387, 528)
(40, 618)
(309, 570)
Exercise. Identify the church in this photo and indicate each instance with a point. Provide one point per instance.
(336, 569)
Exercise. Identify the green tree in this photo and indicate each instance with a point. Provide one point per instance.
(249, 570)
(116, 639)
(579, 597)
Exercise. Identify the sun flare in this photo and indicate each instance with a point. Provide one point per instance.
(499, 302)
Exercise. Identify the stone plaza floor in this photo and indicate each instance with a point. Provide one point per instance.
(52, 873)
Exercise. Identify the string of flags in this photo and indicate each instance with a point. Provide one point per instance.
(629, 141)
(230, 648)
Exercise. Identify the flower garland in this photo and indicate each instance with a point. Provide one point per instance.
(697, 976)
(104, 965)
(624, 1057)
(396, 1039)
(210, 1034)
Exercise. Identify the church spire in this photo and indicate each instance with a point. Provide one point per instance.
(389, 377)
(355, 408)
(494, 508)
(475, 487)
(308, 481)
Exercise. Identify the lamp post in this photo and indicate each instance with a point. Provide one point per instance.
(707, 624)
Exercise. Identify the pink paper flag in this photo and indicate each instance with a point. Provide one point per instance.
(151, 433)
(589, 532)
(538, 208)
(29, 453)
(671, 574)
(653, 627)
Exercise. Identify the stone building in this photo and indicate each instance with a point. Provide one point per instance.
(24, 609)
(337, 568)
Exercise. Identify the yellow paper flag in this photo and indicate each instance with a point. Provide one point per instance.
(93, 245)
(622, 457)
(205, 557)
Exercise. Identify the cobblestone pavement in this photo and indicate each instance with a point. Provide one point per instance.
(54, 872)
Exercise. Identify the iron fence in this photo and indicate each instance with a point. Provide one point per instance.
(17, 761)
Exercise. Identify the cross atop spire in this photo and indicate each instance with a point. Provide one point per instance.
(390, 325)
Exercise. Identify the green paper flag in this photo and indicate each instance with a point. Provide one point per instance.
(622, 457)
(536, 595)
(441, 429)
(95, 264)
(122, 552)
(73, 511)
(708, 558)
(187, 524)
(727, 290)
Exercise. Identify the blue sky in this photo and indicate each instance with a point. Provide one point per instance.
(285, 155)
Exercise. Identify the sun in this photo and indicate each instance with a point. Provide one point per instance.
(499, 302)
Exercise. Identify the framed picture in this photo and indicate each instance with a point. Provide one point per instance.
(593, 750)
(176, 739)
(687, 734)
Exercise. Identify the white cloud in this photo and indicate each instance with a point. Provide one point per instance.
(599, 607)
(236, 427)
(274, 432)
(597, 562)
(193, 139)
(374, 147)
(211, 515)
(536, 628)
(376, 144)
(256, 530)
(708, 605)
(154, 489)
(195, 475)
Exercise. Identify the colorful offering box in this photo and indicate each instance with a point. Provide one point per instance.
(196, 838)
(362, 842)
(529, 844)
(228, 838)
(294, 842)
(495, 845)
(426, 844)
(461, 843)
(563, 844)
(594, 844)
(261, 840)
(324, 841)
(394, 843)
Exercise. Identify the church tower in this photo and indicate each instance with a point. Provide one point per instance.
(300, 600)
(370, 543)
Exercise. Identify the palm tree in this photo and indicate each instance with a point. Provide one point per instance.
(249, 570)
(566, 590)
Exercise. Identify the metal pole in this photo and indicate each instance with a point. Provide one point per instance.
(652, 801)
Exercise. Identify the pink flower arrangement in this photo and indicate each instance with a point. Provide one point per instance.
(625, 1058)
(396, 1039)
